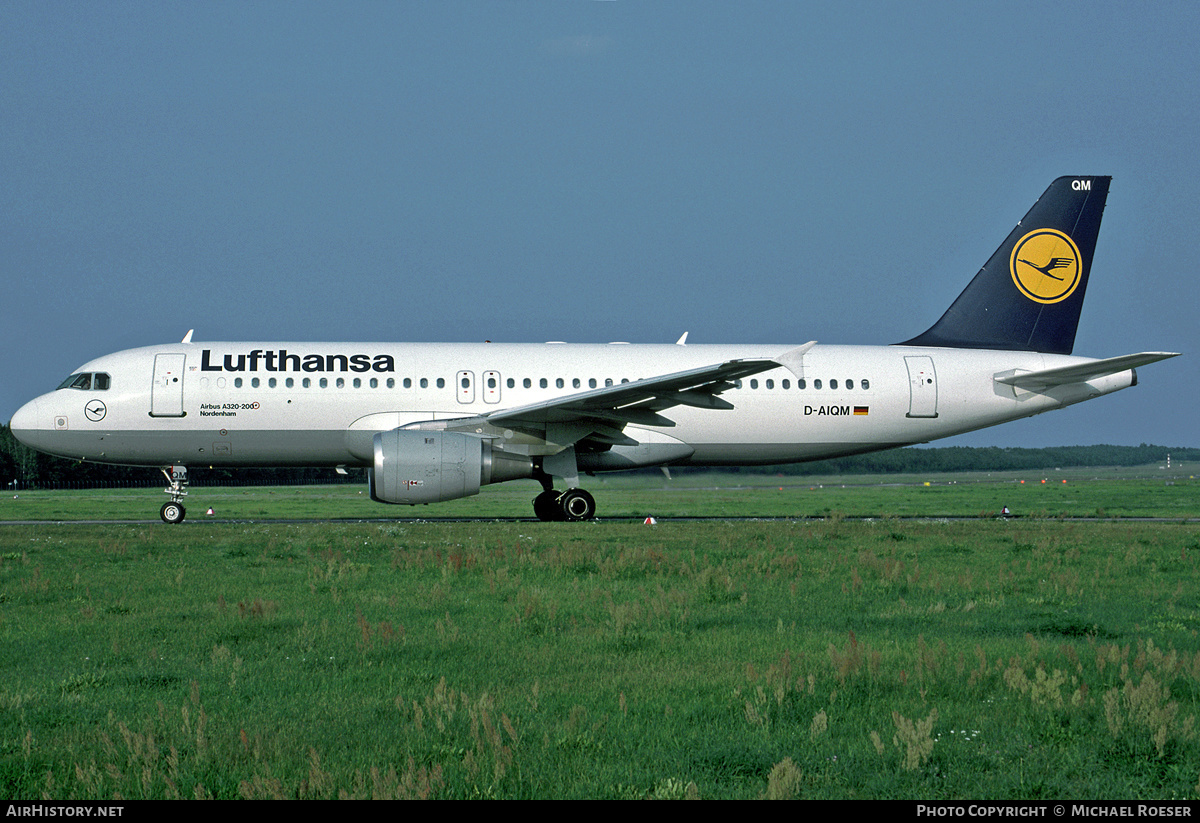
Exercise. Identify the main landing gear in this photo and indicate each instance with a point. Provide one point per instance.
(572, 505)
(174, 512)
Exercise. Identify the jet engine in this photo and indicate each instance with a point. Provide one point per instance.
(412, 466)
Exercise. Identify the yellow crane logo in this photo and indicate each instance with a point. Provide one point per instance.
(1046, 265)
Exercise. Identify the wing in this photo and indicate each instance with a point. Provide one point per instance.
(1082, 372)
(639, 401)
(599, 416)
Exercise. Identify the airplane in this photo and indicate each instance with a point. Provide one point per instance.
(435, 422)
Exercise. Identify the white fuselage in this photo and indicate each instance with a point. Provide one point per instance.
(320, 404)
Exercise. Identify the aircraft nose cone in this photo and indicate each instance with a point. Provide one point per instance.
(26, 424)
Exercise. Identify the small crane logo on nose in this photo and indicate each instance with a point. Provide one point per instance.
(95, 411)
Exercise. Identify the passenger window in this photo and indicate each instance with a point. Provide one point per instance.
(558, 383)
(358, 382)
(849, 384)
(391, 383)
(591, 382)
(424, 382)
(254, 382)
(802, 384)
(341, 383)
(271, 382)
(408, 382)
(865, 384)
(441, 382)
(608, 381)
(785, 384)
(527, 383)
(512, 384)
(324, 383)
(754, 383)
(770, 384)
(237, 382)
(374, 382)
(290, 382)
(307, 383)
(543, 383)
(816, 384)
(833, 384)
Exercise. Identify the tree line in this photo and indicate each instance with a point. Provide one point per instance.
(22, 467)
(914, 460)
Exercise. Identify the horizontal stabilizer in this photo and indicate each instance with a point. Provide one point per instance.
(1082, 372)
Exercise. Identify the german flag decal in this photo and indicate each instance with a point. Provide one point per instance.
(862, 410)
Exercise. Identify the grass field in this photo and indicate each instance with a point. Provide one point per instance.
(1112, 493)
(823, 657)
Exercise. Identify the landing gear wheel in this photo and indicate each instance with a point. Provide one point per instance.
(576, 505)
(545, 506)
(172, 513)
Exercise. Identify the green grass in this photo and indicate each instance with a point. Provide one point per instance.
(819, 658)
(1149, 492)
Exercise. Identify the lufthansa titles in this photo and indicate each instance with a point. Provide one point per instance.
(282, 360)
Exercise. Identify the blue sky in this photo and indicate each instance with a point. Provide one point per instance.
(762, 172)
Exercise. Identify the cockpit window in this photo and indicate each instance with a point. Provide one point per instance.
(86, 381)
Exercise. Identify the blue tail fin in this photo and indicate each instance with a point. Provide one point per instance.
(1027, 297)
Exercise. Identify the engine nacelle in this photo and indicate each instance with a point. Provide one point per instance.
(412, 466)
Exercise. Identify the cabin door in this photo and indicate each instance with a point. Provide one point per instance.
(166, 393)
(922, 383)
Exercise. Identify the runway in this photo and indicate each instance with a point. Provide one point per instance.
(599, 521)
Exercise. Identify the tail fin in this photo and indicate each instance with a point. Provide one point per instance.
(1027, 297)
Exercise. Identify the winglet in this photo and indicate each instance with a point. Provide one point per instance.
(793, 359)
(187, 338)
(682, 341)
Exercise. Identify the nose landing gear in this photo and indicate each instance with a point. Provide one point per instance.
(174, 512)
